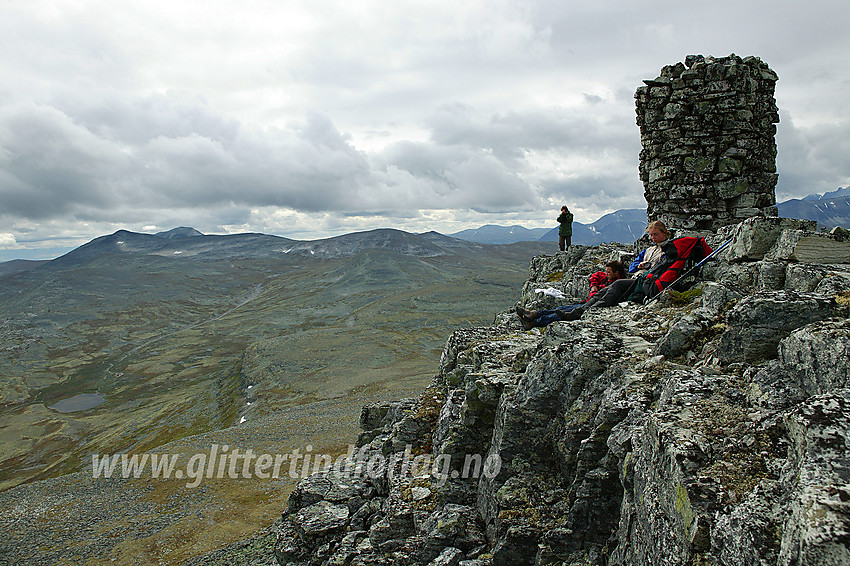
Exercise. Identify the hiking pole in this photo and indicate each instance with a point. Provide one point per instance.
(691, 270)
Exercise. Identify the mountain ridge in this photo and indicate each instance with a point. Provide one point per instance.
(827, 212)
(179, 232)
(247, 245)
(628, 225)
(624, 226)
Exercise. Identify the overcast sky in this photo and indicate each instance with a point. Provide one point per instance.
(313, 118)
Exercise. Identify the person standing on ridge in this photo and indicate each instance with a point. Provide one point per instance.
(565, 230)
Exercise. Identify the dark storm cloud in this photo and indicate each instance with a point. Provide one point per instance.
(170, 152)
(50, 163)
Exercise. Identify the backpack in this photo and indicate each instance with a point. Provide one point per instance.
(680, 255)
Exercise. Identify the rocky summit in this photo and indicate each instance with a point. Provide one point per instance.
(710, 427)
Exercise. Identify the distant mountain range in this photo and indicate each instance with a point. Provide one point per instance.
(841, 192)
(493, 234)
(829, 210)
(627, 225)
(621, 226)
(189, 242)
(162, 322)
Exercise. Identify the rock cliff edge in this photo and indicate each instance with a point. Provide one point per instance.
(712, 427)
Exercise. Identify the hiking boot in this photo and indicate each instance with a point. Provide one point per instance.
(527, 313)
(527, 322)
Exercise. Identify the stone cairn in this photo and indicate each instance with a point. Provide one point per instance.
(707, 131)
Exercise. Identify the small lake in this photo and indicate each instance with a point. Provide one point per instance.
(78, 403)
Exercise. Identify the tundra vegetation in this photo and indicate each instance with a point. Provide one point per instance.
(248, 341)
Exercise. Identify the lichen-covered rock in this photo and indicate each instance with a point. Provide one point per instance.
(817, 356)
(320, 518)
(448, 557)
(708, 431)
(803, 277)
(800, 245)
(812, 360)
(452, 527)
(755, 237)
(750, 533)
(716, 299)
(326, 486)
(758, 322)
(834, 284)
(681, 336)
(818, 528)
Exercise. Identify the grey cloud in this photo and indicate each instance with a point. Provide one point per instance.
(135, 120)
(626, 96)
(811, 160)
(51, 163)
(310, 170)
(454, 176)
(506, 107)
(41, 47)
(55, 165)
(597, 193)
(582, 138)
(511, 133)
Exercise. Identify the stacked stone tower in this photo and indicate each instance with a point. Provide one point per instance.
(707, 131)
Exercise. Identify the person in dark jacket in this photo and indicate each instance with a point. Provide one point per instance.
(565, 230)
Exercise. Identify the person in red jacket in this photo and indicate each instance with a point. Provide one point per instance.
(613, 270)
